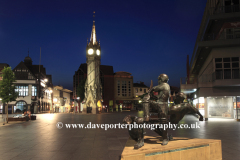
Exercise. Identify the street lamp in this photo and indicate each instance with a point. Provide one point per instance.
(41, 88)
(54, 99)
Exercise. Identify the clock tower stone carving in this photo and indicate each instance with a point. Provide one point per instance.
(93, 88)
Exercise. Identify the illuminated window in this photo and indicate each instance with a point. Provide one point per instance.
(22, 90)
(20, 107)
(34, 90)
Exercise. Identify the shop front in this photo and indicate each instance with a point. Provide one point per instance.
(107, 106)
(218, 107)
(124, 105)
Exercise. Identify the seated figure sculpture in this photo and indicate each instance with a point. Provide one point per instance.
(176, 112)
(161, 105)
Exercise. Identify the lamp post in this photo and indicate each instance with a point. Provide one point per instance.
(41, 88)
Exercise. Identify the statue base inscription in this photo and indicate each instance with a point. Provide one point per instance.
(177, 149)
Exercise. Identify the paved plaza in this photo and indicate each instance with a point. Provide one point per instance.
(41, 139)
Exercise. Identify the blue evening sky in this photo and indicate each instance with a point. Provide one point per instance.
(143, 37)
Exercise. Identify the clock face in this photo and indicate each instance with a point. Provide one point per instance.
(90, 51)
(98, 52)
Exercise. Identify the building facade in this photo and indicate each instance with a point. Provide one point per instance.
(61, 99)
(213, 81)
(124, 94)
(139, 89)
(34, 87)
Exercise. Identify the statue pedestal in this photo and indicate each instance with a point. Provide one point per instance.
(177, 149)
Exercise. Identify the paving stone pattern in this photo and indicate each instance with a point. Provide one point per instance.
(41, 139)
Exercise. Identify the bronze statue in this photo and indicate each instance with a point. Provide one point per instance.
(160, 106)
(178, 111)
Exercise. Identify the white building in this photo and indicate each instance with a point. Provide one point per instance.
(34, 88)
(214, 79)
(61, 99)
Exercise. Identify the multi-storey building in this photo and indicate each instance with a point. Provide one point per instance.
(34, 87)
(214, 79)
(139, 89)
(61, 99)
(79, 76)
(124, 94)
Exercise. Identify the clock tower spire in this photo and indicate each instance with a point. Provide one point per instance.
(93, 88)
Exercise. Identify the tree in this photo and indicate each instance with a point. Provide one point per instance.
(81, 90)
(7, 88)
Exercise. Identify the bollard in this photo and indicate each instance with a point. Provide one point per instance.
(4, 121)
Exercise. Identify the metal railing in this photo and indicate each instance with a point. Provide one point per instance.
(224, 74)
(207, 13)
(212, 36)
(224, 9)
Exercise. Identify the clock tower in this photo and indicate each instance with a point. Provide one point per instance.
(93, 88)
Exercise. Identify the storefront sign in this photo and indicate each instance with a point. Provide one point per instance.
(124, 102)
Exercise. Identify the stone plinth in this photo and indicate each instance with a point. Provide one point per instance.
(177, 149)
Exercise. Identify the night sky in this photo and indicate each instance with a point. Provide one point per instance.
(145, 38)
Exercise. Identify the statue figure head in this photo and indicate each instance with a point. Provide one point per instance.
(162, 78)
(179, 98)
